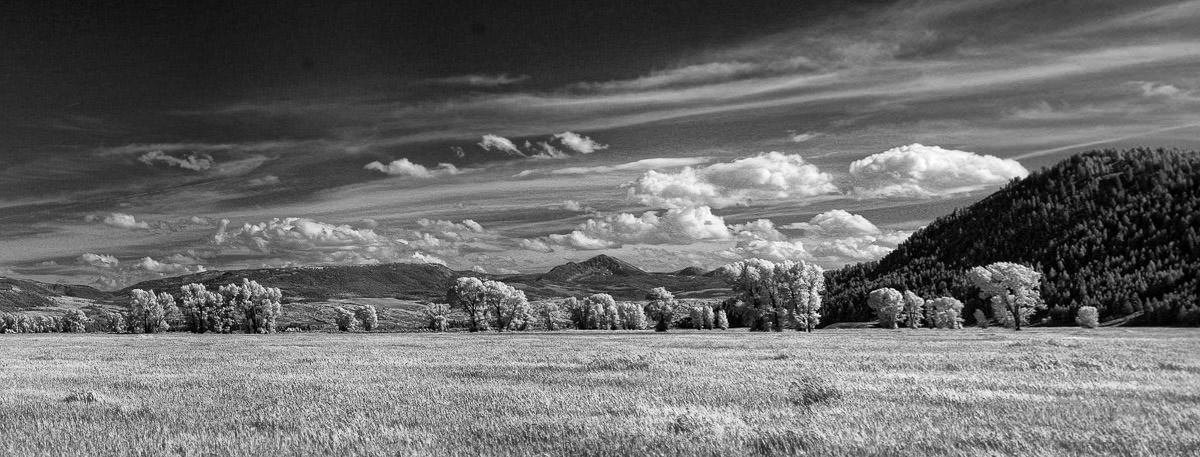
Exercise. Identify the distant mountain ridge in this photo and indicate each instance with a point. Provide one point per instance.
(601, 265)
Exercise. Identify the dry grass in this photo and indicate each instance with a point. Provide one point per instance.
(835, 392)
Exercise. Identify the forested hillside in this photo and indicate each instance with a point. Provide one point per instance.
(1119, 230)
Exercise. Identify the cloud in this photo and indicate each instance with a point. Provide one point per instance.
(1165, 91)
(498, 143)
(164, 268)
(535, 245)
(640, 165)
(837, 222)
(296, 239)
(760, 239)
(918, 171)
(125, 221)
(99, 260)
(675, 226)
(832, 238)
(426, 258)
(574, 206)
(765, 176)
(479, 80)
(195, 162)
(403, 167)
(801, 137)
(544, 150)
(579, 143)
(268, 180)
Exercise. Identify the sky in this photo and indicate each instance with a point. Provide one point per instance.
(146, 140)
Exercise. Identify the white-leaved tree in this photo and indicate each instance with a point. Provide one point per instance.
(259, 306)
(146, 314)
(602, 309)
(468, 294)
(773, 291)
(887, 304)
(508, 306)
(661, 308)
(632, 315)
(1014, 290)
(206, 311)
(913, 312)
(946, 312)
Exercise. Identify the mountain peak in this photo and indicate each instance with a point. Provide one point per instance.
(601, 265)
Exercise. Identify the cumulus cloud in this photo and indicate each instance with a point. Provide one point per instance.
(767, 175)
(579, 143)
(195, 162)
(574, 206)
(421, 257)
(125, 221)
(498, 143)
(478, 80)
(837, 222)
(917, 170)
(832, 238)
(99, 260)
(403, 167)
(165, 268)
(675, 226)
(535, 245)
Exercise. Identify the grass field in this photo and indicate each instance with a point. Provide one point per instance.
(834, 392)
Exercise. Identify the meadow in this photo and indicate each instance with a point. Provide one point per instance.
(1114, 391)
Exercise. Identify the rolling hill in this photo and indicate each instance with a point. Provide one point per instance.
(1119, 230)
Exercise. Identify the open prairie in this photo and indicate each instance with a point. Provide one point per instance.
(833, 392)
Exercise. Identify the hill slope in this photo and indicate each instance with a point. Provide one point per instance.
(1119, 230)
(402, 280)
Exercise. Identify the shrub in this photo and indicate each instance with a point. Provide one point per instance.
(980, 319)
(435, 317)
(367, 315)
(75, 321)
(1088, 317)
(115, 322)
(722, 322)
(345, 319)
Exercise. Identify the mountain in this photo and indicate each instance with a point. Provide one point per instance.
(601, 265)
(21, 294)
(399, 280)
(691, 271)
(1119, 230)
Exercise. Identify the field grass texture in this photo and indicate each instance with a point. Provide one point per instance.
(833, 392)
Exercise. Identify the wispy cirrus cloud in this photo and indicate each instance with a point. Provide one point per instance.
(479, 80)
